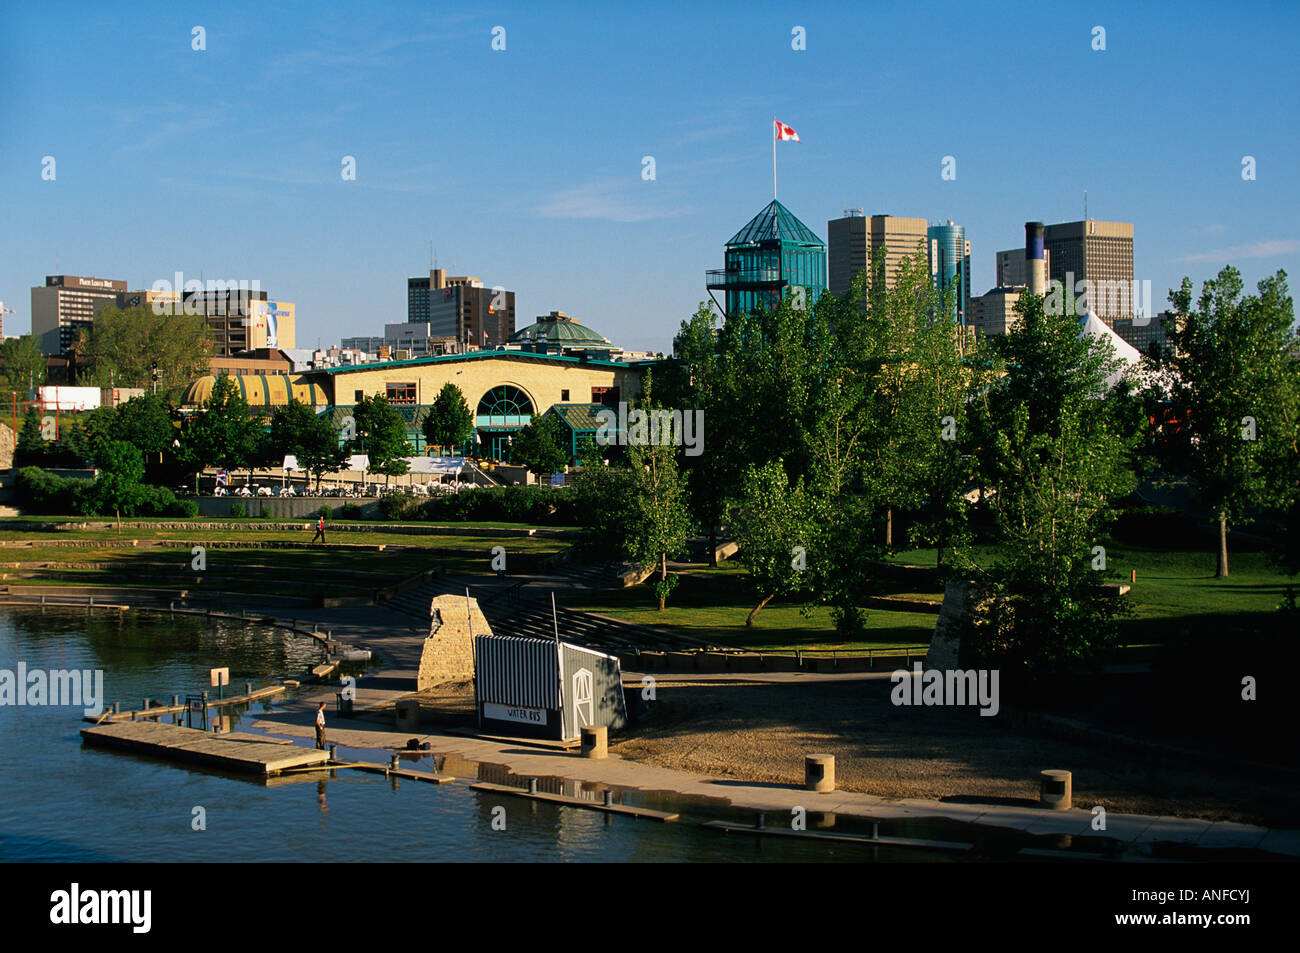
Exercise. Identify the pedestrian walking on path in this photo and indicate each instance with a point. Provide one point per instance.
(320, 727)
(320, 529)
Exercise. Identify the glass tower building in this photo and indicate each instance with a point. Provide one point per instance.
(950, 265)
(767, 258)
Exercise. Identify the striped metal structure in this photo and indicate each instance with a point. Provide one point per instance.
(567, 685)
(262, 390)
(513, 670)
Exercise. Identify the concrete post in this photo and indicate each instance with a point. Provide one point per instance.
(595, 741)
(1057, 790)
(819, 772)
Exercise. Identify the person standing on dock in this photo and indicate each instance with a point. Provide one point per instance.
(320, 529)
(320, 727)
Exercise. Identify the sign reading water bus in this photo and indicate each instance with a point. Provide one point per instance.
(527, 716)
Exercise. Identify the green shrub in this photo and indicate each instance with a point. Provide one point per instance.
(39, 492)
(349, 511)
(238, 510)
(399, 506)
(187, 509)
(509, 504)
(325, 512)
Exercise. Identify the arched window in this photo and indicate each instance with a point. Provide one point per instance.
(504, 406)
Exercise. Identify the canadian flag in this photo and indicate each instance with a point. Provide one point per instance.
(785, 132)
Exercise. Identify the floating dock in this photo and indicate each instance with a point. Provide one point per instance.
(863, 840)
(158, 711)
(641, 812)
(243, 753)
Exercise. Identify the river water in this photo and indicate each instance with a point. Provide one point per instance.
(62, 801)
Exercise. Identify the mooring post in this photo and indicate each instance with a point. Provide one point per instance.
(532, 785)
(609, 798)
(875, 830)
(758, 821)
(393, 762)
(334, 752)
(116, 707)
(248, 688)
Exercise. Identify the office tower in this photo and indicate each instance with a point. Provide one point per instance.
(1100, 253)
(461, 307)
(65, 304)
(857, 241)
(769, 258)
(1010, 271)
(949, 253)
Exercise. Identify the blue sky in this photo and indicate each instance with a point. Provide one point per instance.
(523, 166)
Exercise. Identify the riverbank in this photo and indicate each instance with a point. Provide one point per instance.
(730, 791)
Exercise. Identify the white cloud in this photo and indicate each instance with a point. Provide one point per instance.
(1265, 249)
(609, 200)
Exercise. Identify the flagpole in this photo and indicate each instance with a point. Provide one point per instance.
(773, 158)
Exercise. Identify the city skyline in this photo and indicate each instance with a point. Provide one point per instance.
(520, 169)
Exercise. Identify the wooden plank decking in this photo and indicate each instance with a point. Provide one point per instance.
(246, 754)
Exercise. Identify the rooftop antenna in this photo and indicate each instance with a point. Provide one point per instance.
(1085, 205)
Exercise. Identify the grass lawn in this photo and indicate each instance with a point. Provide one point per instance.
(1176, 593)
(712, 604)
(484, 541)
(299, 569)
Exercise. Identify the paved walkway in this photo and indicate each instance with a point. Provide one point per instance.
(1132, 829)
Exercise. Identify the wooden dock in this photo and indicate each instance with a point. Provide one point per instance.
(243, 753)
(641, 812)
(157, 711)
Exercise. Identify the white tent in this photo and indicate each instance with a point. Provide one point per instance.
(1127, 355)
(358, 462)
(291, 465)
(444, 466)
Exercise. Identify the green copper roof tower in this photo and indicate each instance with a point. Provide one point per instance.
(766, 259)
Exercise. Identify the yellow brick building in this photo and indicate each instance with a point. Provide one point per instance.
(504, 389)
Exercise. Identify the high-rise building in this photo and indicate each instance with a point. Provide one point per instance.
(950, 265)
(65, 304)
(772, 256)
(857, 241)
(1010, 270)
(460, 307)
(1100, 253)
(994, 312)
(241, 319)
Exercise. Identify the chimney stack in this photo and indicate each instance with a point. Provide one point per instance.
(1036, 266)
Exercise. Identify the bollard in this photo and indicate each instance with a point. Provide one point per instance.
(248, 688)
(759, 823)
(334, 752)
(176, 700)
(609, 798)
(532, 785)
(394, 762)
(875, 830)
(819, 772)
(1057, 790)
(144, 705)
(116, 707)
(595, 741)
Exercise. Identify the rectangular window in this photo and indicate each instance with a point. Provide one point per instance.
(357, 395)
(564, 396)
(605, 395)
(400, 393)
